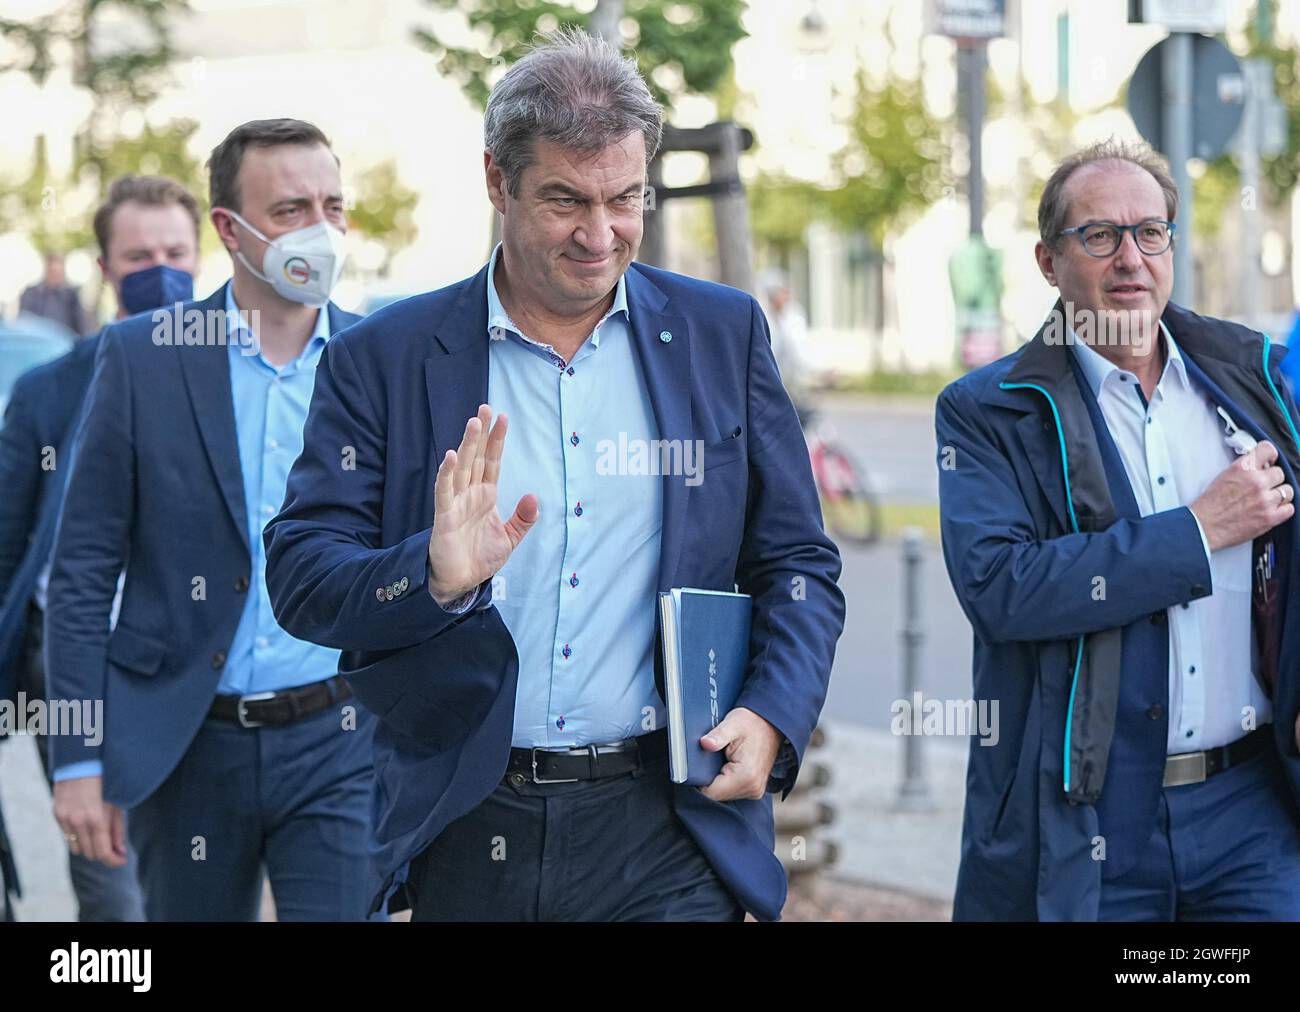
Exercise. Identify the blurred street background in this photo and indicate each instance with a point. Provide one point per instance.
(870, 169)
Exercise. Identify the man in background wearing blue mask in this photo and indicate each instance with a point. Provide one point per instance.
(148, 235)
(235, 747)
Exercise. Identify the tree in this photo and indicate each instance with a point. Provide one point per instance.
(118, 75)
(681, 46)
(383, 211)
(895, 163)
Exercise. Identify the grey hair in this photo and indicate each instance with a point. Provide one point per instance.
(1053, 207)
(574, 90)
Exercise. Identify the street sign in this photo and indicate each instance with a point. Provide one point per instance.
(1217, 100)
(1208, 16)
(967, 19)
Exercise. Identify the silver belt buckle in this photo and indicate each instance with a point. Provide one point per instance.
(242, 709)
(539, 780)
(1188, 768)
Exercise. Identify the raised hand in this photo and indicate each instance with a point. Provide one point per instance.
(470, 542)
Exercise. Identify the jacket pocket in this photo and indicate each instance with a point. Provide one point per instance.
(135, 651)
(724, 451)
(1002, 805)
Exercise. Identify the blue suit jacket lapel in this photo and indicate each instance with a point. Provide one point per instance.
(206, 368)
(666, 371)
(456, 372)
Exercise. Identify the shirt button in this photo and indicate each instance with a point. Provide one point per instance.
(1192, 670)
(570, 370)
(263, 643)
(574, 439)
(268, 511)
(1160, 480)
(577, 510)
(1189, 734)
(1156, 712)
(273, 443)
(567, 651)
(573, 580)
(559, 722)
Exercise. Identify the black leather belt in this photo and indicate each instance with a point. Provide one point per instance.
(259, 709)
(586, 762)
(1195, 767)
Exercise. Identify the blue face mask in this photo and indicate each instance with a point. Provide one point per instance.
(154, 287)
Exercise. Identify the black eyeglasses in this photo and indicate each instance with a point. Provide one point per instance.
(1102, 238)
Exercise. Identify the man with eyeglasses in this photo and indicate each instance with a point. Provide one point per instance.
(1117, 518)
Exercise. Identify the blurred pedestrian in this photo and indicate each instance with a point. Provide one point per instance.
(54, 299)
(788, 324)
(233, 745)
(147, 231)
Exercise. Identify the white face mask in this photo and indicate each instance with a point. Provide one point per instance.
(302, 265)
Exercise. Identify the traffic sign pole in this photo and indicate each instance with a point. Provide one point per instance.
(1176, 70)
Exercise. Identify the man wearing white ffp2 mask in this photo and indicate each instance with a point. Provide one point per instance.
(246, 703)
(302, 265)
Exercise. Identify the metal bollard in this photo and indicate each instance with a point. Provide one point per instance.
(914, 792)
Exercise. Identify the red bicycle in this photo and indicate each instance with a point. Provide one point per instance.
(850, 506)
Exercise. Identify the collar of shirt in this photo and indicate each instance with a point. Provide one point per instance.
(498, 318)
(240, 337)
(1097, 369)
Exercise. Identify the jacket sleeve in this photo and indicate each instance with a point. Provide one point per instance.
(1014, 585)
(788, 565)
(326, 571)
(20, 477)
(90, 545)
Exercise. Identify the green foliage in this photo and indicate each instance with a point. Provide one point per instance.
(681, 46)
(895, 163)
(131, 73)
(384, 209)
(780, 210)
(118, 77)
(893, 166)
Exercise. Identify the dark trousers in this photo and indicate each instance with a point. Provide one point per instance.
(1226, 849)
(293, 798)
(596, 850)
(103, 893)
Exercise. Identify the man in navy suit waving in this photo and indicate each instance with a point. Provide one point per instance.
(234, 746)
(521, 766)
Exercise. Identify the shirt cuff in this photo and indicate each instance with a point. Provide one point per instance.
(463, 603)
(77, 771)
(1205, 542)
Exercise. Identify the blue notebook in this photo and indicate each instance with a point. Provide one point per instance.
(706, 652)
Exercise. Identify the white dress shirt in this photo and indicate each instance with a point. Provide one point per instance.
(1172, 449)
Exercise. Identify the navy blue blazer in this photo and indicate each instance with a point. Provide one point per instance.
(1035, 505)
(397, 389)
(42, 411)
(154, 488)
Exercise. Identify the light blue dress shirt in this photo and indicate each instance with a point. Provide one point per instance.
(270, 412)
(578, 594)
